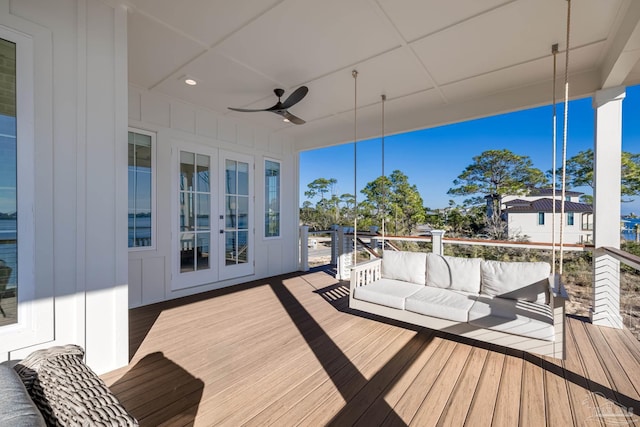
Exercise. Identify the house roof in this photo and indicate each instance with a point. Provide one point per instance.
(549, 192)
(437, 62)
(545, 205)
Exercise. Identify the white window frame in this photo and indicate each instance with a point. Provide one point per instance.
(154, 210)
(573, 219)
(34, 323)
(264, 212)
(538, 218)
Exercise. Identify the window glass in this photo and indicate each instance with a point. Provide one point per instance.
(8, 186)
(271, 199)
(569, 218)
(140, 190)
(540, 218)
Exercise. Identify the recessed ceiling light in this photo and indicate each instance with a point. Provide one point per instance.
(190, 82)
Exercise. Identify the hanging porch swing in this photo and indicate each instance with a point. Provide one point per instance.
(519, 305)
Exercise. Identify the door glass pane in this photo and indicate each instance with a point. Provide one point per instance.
(202, 168)
(186, 211)
(8, 188)
(230, 177)
(243, 178)
(195, 212)
(243, 212)
(230, 247)
(203, 251)
(186, 171)
(243, 247)
(187, 253)
(231, 209)
(204, 212)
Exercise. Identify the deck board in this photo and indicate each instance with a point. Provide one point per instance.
(288, 351)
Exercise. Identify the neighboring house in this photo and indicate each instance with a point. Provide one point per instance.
(532, 216)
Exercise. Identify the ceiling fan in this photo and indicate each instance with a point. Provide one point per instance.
(281, 108)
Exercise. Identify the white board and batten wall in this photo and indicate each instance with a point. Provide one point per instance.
(77, 277)
(72, 275)
(179, 126)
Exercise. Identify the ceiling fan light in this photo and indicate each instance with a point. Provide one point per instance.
(286, 120)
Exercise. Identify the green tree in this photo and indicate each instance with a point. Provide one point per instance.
(496, 173)
(395, 200)
(320, 186)
(579, 172)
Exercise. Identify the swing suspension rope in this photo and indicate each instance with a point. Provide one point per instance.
(564, 136)
(384, 189)
(354, 73)
(554, 51)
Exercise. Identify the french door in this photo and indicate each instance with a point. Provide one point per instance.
(213, 237)
(236, 215)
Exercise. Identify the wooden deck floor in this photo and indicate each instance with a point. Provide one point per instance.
(287, 351)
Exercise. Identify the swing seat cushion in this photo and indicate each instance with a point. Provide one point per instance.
(388, 292)
(523, 318)
(441, 303)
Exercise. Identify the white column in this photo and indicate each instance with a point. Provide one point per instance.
(607, 103)
(436, 239)
(304, 248)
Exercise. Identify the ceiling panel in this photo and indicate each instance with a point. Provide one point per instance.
(417, 18)
(222, 83)
(395, 74)
(309, 38)
(149, 43)
(206, 20)
(522, 75)
(512, 34)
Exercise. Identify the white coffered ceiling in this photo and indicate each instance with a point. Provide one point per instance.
(437, 61)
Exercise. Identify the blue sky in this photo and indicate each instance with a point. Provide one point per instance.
(433, 158)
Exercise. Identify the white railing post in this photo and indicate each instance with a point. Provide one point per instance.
(334, 245)
(345, 261)
(374, 245)
(605, 310)
(436, 239)
(304, 248)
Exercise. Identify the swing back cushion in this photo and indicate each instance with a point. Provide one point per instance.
(405, 266)
(458, 274)
(522, 281)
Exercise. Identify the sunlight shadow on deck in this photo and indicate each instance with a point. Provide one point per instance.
(343, 373)
(338, 296)
(179, 403)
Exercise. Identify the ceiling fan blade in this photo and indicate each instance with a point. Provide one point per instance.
(245, 110)
(295, 97)
(293, 119)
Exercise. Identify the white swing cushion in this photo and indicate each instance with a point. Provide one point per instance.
(461, 274)
(388, 292)
(523, 318)
(441, 303)
(524, 281)
(405, 266)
